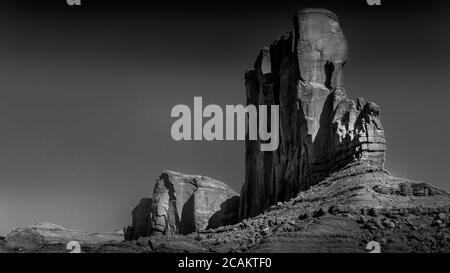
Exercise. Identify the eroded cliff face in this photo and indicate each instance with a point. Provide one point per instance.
(321, 130)
(184, 204)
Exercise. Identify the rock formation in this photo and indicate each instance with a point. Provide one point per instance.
(186, 203)
(183, 204)
(141, 225)
(341, 214)
(42, 234)
(321, 130)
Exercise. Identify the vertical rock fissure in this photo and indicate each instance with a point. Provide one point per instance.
(172, 209)
(329, 69)
(183, 204)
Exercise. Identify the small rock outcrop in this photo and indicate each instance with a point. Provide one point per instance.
(186, 203)
(141, 225)
(321, 130)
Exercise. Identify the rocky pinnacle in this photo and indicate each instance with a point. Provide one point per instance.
(321, 130)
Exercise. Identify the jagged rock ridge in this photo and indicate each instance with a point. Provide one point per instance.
(321, 130)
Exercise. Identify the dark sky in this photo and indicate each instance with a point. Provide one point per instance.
(86, 94)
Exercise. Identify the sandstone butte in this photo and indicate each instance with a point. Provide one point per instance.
(324, 190)
(183, 204)
(321, 129)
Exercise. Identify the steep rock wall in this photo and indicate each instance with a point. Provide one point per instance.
(321, 130)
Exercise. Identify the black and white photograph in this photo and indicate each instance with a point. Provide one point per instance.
(224, 135)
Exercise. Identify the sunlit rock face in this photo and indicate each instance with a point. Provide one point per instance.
(321, 130)
(183, 204)
(320, 46)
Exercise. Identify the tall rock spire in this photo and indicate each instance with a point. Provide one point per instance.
(321, 131)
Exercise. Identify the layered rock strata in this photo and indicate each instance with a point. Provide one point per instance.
(321, 130)
(35, 236)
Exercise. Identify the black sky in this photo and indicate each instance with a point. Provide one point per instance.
(86, 94)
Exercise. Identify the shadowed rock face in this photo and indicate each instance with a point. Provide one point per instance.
(141, 220)
(321, 130)
(186, 203)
